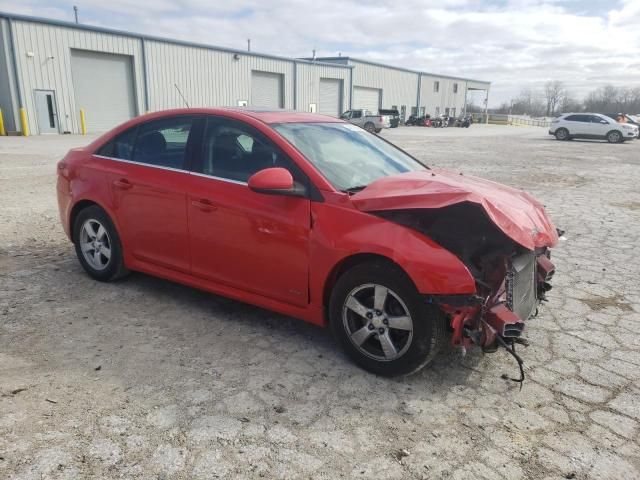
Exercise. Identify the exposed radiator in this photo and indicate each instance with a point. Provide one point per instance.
(521, 285)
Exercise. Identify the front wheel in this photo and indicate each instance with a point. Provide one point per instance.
(614, 137)
(98, 245)
(382, 322)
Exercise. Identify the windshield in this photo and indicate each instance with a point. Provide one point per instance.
(349, 157)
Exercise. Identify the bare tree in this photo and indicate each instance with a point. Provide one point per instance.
(554, 91)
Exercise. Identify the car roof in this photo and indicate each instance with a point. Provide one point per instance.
(279, 115)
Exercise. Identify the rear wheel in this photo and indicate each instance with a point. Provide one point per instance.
(370, 127)
(378, 130)
(614, 137)
(562, 134)
(382, 322)
(98, 245)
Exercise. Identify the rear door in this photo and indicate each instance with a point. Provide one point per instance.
(578, 125)
(247, 240)
(148, 179)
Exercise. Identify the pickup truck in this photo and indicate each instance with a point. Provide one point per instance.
(365, 119)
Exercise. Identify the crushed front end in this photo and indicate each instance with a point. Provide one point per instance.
(508, 295)
(511, 279)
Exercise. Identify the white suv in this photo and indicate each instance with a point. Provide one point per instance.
(591, 125)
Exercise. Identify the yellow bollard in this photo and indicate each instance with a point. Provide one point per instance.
(2, 130)
(83, 122)
(24, 122)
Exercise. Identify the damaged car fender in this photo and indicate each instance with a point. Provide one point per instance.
(432, 268)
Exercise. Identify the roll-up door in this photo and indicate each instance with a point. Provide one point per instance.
(266, 89)
(367, 98)
(330, 97)
(104, 88)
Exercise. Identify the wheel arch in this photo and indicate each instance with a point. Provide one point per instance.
(81, 205)
(348, 263)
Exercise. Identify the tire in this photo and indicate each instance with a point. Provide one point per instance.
(614, 136)
(412, 348)
(94, 235)
(369, 127)
(562, 134)
(378, 130)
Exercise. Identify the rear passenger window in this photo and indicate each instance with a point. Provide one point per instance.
(163, 142)
(121, 147)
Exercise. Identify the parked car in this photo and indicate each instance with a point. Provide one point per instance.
(314, 218)
(630, 119)
(394, 116)
(591, 125)
(365, 119)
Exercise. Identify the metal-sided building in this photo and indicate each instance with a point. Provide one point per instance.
(54, 73)
(376, 85)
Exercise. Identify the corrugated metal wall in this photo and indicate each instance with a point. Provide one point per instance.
(50, 66)
(7, 87)
(445, 97)
(207, 78)
(308, 84)
(398, 87)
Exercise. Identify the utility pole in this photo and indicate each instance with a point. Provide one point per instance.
(75, 12)
(248, 44)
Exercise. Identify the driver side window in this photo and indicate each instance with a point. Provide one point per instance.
(235, 151)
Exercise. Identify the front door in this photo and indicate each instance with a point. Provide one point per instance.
(46, 112)
(247, 240)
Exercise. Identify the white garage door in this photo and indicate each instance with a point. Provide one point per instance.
(330, 97)
(104, 88)
(367, 98)
(266, 89)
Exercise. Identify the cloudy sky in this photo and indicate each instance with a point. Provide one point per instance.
(512, 43)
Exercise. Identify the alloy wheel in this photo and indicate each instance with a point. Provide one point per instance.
(95, 244)
(377, 322)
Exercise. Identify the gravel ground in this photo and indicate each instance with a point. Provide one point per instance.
(152, 380)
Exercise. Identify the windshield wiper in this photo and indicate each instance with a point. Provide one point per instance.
(354, 189)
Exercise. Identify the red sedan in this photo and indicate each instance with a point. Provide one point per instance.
(315, 218)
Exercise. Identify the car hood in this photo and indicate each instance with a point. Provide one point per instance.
(520, 216)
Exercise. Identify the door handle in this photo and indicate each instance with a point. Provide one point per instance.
(204, 205)
(122, 184)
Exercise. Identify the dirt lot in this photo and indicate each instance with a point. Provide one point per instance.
(151, 380)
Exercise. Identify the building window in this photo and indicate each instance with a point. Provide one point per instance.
(437, 111)
(436, 86)
(414, 111)
(446, 112)
(453, 112)
(455, 88)
(422, 111)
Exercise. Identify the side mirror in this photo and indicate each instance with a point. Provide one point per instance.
(275, 181)
(604, 122)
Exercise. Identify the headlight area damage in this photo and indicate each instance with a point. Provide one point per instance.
(502, 235)
(511, 279)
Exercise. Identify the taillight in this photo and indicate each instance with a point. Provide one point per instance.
(62, 169)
